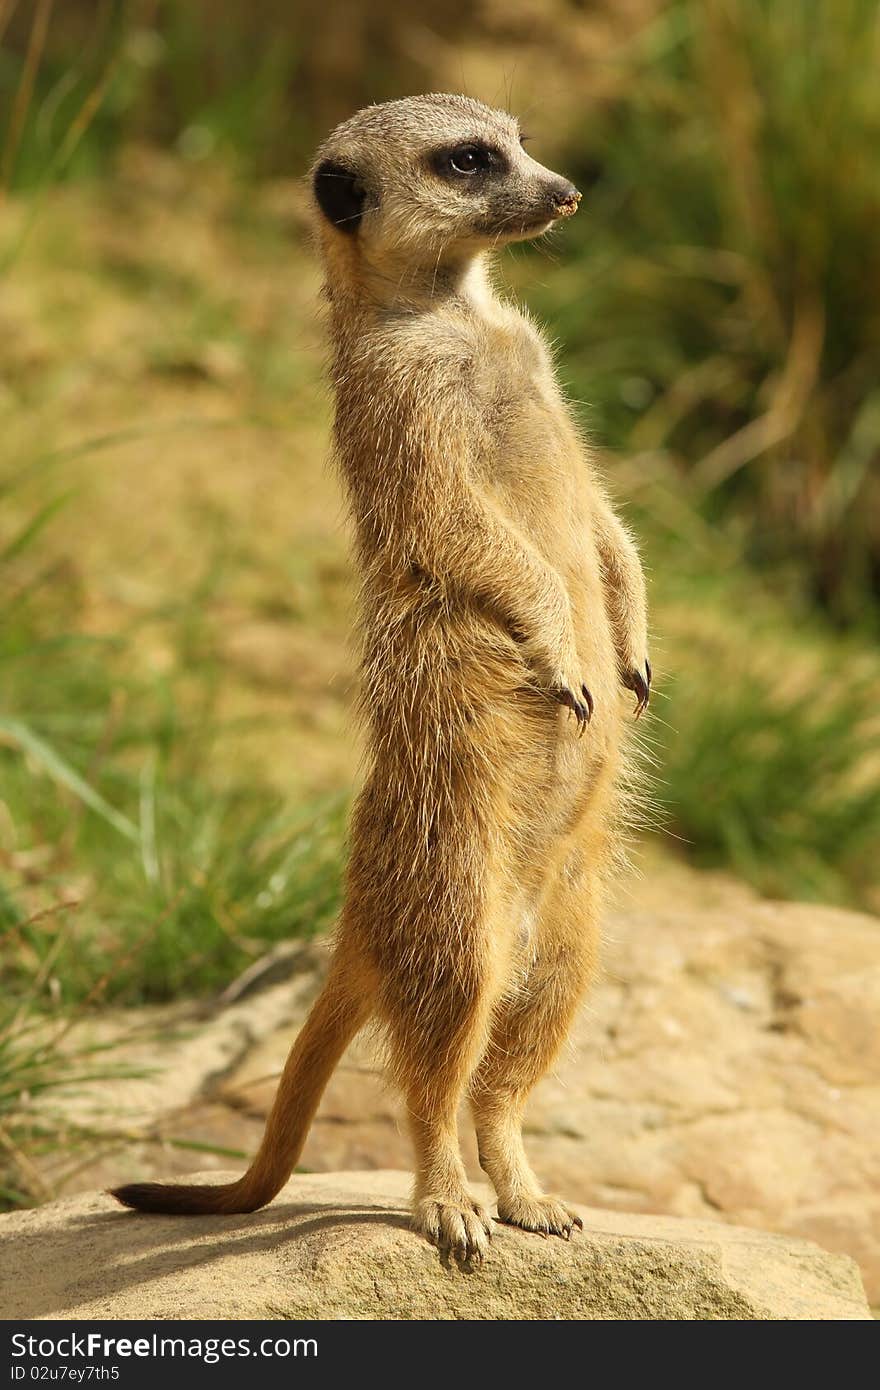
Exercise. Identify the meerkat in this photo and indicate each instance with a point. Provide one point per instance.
(502, 609)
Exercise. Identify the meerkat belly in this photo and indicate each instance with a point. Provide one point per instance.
(537, 475)
(535, 471)
(532, 460)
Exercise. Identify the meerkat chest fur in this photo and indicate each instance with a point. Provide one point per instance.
(471, 382)
(533, 462)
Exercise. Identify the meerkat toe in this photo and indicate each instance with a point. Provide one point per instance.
(460, 1229)
(546, 1216)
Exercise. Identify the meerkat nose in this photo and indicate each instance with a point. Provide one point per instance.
(565, 198)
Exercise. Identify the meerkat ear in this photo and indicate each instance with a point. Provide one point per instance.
(340, 195)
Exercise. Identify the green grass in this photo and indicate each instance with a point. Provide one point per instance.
(118, 792)
(37, 1059)
(768, 785)
(764, 732)
(136, 71)
(184, 873)
(718, 301)
(770, 770)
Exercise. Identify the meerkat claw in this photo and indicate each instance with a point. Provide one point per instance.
(583, 712)
(641, 685)
(581, 709)
(460, 1230)
(542, 1215)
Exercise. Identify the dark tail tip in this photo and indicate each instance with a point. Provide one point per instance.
(179, 1200)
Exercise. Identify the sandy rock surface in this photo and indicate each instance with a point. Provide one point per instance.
(727, 1066)
(337, 1245)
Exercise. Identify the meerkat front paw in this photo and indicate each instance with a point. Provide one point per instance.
(581, 706)
(547, 1216)
(461, 1229)
(639, 682)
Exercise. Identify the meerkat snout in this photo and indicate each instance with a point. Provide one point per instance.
(433, 175)
(565, 199)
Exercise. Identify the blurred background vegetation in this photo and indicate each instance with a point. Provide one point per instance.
(176, 757)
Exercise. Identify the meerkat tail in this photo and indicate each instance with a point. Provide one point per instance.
(336, 1016)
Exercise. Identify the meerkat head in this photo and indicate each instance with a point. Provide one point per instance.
(432, 177)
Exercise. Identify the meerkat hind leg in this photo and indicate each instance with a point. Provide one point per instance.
(521, 1202)
(527, 1035)
(435, 1048)
(444, 1209)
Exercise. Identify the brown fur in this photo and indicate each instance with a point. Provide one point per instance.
(497, 583)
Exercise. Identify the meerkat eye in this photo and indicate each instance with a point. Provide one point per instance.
(469, 159)
(472, 160)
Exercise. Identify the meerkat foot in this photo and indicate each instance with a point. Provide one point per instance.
(461, 1229)
(640, 683)
(546, 1215)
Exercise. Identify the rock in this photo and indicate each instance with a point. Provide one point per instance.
(726, 1067)
(338, 1246)
(168, 1057)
